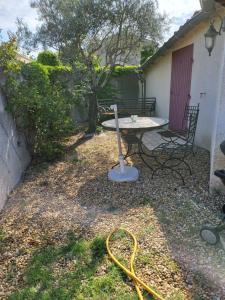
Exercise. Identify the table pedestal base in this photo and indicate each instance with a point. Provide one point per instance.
(130, 174)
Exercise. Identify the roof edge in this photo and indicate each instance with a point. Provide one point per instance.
(188, 25)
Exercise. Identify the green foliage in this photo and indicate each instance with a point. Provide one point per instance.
(147, 51)
(80, 30)
(41, 100)
(48, 58)
(109, 91)
(82, 281)
(98, 248)
(125, 70)
(8, 55)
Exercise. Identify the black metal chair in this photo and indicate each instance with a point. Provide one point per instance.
(172, 153)
(189, 124)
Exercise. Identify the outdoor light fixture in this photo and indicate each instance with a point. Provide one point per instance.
(210, 38)
(208, 6)
(211, 34)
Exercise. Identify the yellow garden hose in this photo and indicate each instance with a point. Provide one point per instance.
(131, 273)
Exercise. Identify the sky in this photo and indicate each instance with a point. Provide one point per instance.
(178, 10)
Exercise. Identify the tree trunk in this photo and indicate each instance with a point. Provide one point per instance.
(92, 113)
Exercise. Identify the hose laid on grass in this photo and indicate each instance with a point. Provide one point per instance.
(131, 273)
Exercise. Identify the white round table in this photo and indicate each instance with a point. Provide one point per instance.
(132, 128)
(142, 123)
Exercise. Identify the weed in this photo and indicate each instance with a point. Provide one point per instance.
(99, 129)
(176, 295)
(149, 229)
(146, 201)
(144, 259)
(170, 263)
(119, 234)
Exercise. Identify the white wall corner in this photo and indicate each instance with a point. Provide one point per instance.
(218, 135)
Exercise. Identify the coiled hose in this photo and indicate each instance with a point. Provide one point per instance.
(131, 273)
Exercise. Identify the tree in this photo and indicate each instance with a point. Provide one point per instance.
(81, 29)
(147, 51)
(48, 58)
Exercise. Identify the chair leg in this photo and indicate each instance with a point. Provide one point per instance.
(189, 168)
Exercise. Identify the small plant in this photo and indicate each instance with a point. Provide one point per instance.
(75, 160)
(149, 229)
(119, 234)
(176, 295)
(99, 129)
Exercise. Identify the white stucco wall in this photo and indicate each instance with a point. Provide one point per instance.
(204, 85)
(217, 157)
(14, 156)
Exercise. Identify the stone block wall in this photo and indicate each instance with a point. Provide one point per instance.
(14, 157)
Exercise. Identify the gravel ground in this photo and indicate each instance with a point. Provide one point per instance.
(73, 194)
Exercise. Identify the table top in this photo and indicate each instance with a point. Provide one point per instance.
(140, 123)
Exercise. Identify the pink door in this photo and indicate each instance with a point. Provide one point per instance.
(180, 86)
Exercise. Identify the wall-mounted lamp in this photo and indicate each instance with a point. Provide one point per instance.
(211, 34)
(208, 6)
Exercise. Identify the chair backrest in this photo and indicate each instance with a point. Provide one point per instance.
(190, 122)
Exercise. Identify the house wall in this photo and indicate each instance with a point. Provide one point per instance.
(204, 85)
(217, 157)
(14, 156)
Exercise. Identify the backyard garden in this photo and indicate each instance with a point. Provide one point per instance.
(54, 225)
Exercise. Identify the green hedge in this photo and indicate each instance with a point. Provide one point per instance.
(125, 70)
(41, 100)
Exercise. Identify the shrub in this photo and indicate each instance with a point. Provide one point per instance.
(41, 104)
(48, 58)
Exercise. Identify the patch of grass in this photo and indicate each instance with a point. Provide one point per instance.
(2, 236)
(98, 248)
(171, 264)
(2, 239)
(146, 201)
(81, 281)
(144, 259)
(149, 229)
(176, 295)
(119, 234)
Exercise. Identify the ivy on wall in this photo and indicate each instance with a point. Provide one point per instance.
(109, 91)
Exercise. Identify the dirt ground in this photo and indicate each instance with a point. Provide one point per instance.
(74, 194)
